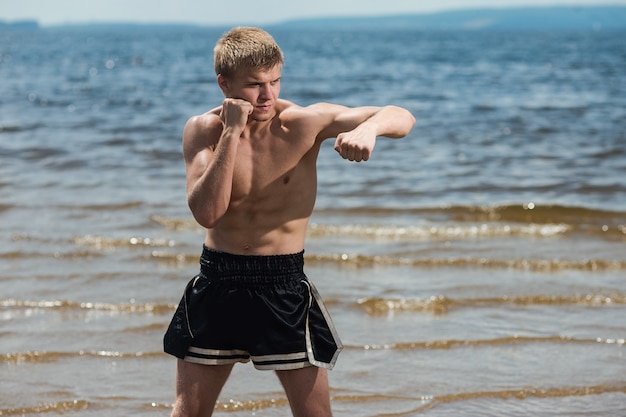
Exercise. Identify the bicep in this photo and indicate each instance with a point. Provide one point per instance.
(336, 119)
(197, 149)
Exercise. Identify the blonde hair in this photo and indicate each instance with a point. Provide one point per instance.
(246, 48)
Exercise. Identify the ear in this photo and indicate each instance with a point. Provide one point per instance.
(224, 84)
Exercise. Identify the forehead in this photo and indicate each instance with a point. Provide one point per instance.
(258, 74)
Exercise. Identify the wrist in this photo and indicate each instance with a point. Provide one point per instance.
(369, 127)
(232, 131)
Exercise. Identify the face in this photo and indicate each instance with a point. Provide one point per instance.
(259, 87)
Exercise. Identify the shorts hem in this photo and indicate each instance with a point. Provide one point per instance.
(283, 367)
(280, 362)
(213, 362)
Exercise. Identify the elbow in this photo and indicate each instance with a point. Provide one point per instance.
(204, 215)
(206, 218)
(207, 222)
(408, 122)
(404, 122)
(411, 120)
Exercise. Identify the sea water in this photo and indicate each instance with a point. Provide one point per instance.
(476, 267)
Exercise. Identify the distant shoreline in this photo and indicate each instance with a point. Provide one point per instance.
(514, 18)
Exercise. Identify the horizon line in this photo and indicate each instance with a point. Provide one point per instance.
(71, 23)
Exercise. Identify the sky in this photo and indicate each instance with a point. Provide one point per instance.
(237, 12)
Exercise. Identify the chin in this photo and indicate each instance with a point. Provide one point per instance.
(264, 117)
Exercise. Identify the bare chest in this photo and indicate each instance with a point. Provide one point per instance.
(268, 169)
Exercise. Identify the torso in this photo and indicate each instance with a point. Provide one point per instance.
(274, 189)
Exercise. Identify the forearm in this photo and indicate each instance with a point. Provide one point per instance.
(208, 196)
(358, 143)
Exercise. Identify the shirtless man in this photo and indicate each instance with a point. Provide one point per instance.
(252, 182)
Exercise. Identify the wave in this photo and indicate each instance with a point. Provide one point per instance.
(371, 305)
(519, 394)
(121, 206)
(542, 265)
(368, 261)
(374, 232)
(523, 212)
(176, 223)
(15, 128)
(48, 357)
(528, 212)
(426, 402)
(442, 304)
(127, 205)
(450, 344)
(100, 242)
(437, 231)
(151, 308)
(60, 407)
(13, 255)
(5, 207)
(94, 242)
(528, 219)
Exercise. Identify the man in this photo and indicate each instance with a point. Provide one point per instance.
(251, 182)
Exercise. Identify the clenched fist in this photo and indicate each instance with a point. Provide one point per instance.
(235, 112)
(356, 145)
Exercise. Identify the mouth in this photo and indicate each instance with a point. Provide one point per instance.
(262, 112)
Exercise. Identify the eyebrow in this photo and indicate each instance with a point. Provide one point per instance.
(257, 81)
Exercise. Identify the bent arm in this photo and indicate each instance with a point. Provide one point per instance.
(356, 129)
(389, 121)
(209, 151)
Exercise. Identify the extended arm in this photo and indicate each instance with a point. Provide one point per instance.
(356, 129)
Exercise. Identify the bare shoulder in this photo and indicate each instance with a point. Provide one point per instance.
(203, 122)
(288, 111)
(201, 135)
(203, 128)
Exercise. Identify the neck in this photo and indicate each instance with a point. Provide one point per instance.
(254, 126)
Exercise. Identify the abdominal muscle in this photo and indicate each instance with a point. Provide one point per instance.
(256, 232)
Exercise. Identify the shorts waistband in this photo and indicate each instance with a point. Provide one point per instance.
(223, 265)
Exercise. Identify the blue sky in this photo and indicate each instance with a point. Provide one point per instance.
(227, 12)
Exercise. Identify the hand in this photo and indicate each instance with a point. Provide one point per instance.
(235, 112)
(356, 145)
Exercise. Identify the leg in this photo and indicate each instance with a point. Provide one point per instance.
(197, 388)
(307, 391)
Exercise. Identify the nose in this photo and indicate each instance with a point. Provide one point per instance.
(266, 91)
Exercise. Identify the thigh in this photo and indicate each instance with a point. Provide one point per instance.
(307, 391)
(198, 387)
